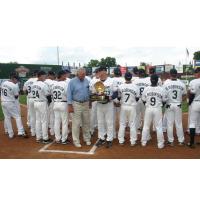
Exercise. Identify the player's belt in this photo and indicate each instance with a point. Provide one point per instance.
(81, 101)
(40, 101)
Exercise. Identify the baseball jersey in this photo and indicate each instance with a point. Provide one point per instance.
(59, 91)
(149, 81)
(49, 83)
(117, 81)
(27, 86)
(134, 78)
(40, 91)
(194, 88)
(8, 91)
(154, 96)
(141, 83)
(175, 90)
(128, 93)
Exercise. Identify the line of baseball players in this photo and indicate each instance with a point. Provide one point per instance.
(136, 99)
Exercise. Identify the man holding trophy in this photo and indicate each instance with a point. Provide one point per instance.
(104, 92)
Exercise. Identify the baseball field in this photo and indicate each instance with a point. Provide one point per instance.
(28, 148)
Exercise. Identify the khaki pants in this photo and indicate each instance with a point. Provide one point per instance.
(81, 114)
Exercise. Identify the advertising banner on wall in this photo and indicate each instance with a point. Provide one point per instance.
(168, 67)
(197, 63)
(179, 68)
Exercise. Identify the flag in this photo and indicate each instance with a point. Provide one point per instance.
(187, 52)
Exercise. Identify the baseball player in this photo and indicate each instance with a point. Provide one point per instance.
(141, 83)
(197, 129)
(151, 72)
(50, 82)
(42, 97)
(135, 74)
(117, 81)
(176, 92)
(153, 98)
(105, 110)
(59, 94)
(93, 113)
(30, 102)
(194, 102)
(129, 94)
(9, 96)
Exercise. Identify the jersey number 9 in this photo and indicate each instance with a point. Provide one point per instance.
(153, 101)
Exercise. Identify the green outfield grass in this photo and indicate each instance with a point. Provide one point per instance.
(185, 106)
(1, 114)
(22, 99)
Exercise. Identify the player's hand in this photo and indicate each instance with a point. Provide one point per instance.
(70, 109)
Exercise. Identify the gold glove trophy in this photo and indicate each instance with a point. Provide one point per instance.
(100, 93)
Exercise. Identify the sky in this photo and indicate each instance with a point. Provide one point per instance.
(130, 56)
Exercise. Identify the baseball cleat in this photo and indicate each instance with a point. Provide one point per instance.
(39, 140)
(78, 145)
(170, 144)
(161, 147)
(108, 144)
(88, 143)
(133, 144)
(47, 141)
(144, 144)
(121, 143)
(24, 135)
(192, 146)
(181, 144)
(100, 142)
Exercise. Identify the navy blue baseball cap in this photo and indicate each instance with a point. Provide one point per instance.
(128, 76)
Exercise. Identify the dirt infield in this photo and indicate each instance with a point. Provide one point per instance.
(28, 148)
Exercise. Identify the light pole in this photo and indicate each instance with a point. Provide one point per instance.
(58, 55)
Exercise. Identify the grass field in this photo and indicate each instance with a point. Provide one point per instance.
(1, 114)
(22, 99)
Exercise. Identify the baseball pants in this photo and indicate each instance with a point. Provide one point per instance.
(31, 111)
(51, 118)
(140, 109)
(10, 109)
(127, 114)
(93, 117)
(41, 120)
(28, 112)
(194, 114)
(105, 117)
(174, 115)
(61, 119)
(155, 115)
